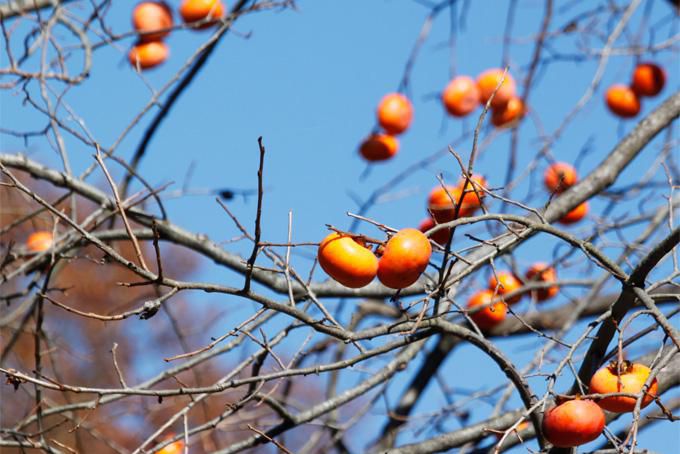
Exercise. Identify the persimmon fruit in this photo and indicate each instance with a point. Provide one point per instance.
(442, 202)
(404, 259)
(575, 215)
(151, 16)
(347, 261)
(648, 79)
(542, 272)
(487, 83)
(490, 316)
(505, 282)
(473, 192)
(148, 55)
(379, 147)
(508, 114)
(394, 113)
(573, 423)
(622, 101)
(198, 10)
(176, 447)
(461, 96)
(440, 237)
(39, 241)
(559, 177)
(629, 380)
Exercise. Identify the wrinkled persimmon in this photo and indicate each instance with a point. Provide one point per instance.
(199, 10)
(347, 261)
(648, 79)
(490, 316)
(148, 17)
(505, 282)
(440, 237)
(630, 379)
(404, 258)
(487, 83)
(575, 215)
(573, 423)
(39, 241)
(622, 101)
(394, 113)
(148, 55)
(508, 114)
(559, 177)
(379, 147)
(542, 272)
(461, 96)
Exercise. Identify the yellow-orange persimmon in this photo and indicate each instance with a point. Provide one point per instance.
(542, 272)
(461, 96)
(440, 237)
(508, 114)
(622, 101)
(404, 258)
(147, 55)
(575, 215)
(629, 380)
(394, 113)
(379, 147)
(198, 10)
(573, 423)
(473, 191)
(442, 202)
(347, 261)
(487, 83)
(491, 315)
(505, 282)
(39, 241)
(151, 16)
(559, 177)
(176, 447)
(648, 79)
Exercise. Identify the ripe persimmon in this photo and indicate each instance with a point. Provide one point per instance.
(379, 147)
(440, 237)
(347, 261)
(395, 113)
(575, 215)
(542, 272)
(520, 427)
(405, 257)
(473, 192)
(147, 55)
(573, 423)
(505, 282)
(176, 447)
(461, 96)
(559, 177)
(487, 83)
(442, 203)
(490, 316)
(150, 16)
(629, 380)
(508, 114)
(198, 10)
(39, 241)
(648, 79)
(622, 101)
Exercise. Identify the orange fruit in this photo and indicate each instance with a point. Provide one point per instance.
(508, 114)
(173, 448)
(630, 380)
(622, 101)
(461, 96)
(440, 237)
(559, 177)
(379, 147)
(573, 423)
(150, 16)
(404, 258)
(39, 241)
(148, 54)
(198, 10)
(505, 282)
(575, 215)
(347, 261)
(490, 316)
(648, 79)
(473, 191)
(487, 83)
(395, 113)
(542, 272)
(442, 202)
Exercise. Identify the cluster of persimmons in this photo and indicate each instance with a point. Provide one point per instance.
(153, 21)
(624, 100)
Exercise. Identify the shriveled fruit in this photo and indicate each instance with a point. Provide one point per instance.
(487, 83)
(347, 261)
(508, 114)
(151, 16)
(461, 96)
(542, 272)
(490, 316)
(622, 101)
(39, 241)
(473, 192)
(559, 177)
(630, 380)
(440, 237)
(575, 215)
(405, 257)
(148, 55)
(442, 202)
(395, 113)
(198, 10)
(648, 79)
(379, 147)
(505, 282)
(573, 423)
